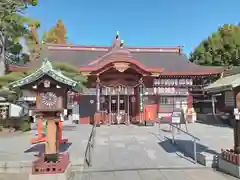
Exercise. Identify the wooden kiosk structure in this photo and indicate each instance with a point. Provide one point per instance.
(50, 87)
(226, 91)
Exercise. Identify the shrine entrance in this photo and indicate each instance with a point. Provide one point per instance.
(118, 84)
(117, 103)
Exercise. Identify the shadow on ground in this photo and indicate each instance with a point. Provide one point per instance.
(225, 120)
(186, 146)
(167, 145)
(40, 148)
(183, 148)
(69, 128)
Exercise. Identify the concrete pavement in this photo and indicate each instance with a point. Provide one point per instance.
(17, 152)
(131, 152)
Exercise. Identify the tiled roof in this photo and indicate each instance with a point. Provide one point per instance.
(45, 69)
(171, 59)
(224, 83)
(232, 71)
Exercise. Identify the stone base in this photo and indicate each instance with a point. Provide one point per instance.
(204, 158)
(60, 176)
(207, 159)
(149, 123)
(41, 166)
(229, 168)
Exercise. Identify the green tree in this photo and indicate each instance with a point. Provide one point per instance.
(67, 70)
(57, 34)
(13, 25)
(71, 72)
(33, 43)
(222, 48)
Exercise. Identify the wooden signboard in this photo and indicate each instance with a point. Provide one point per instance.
(177, 117)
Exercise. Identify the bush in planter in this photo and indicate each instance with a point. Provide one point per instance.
(24, 124)
(19, 123)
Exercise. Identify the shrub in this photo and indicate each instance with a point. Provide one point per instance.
(18, 123)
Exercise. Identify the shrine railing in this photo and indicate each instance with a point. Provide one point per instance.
(194, 138)
(90, 145)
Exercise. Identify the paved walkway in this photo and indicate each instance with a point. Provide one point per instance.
(213, 138)
(131, 152)
(16, 150)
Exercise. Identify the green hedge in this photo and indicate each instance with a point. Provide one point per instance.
(19, 123)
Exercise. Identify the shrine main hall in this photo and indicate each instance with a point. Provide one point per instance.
(129, 84)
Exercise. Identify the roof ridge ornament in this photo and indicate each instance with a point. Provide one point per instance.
(116, 41)
(118, 35)
(121, 43)
(46, 66)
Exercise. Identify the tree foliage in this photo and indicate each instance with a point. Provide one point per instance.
(222, 48)
(57, 34)
(66, 69)
(13, 26)
(71, 72)
(33, 43)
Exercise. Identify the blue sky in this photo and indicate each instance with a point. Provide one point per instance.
(140, 22)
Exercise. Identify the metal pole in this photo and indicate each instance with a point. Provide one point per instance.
(173, 135)
(90, 158)
(92, 141)
(159, 131)
(195, 149)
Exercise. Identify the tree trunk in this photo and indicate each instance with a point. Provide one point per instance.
(2, 54)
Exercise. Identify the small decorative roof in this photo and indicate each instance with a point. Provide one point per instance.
(45, 69)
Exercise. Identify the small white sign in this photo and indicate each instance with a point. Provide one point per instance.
(30, 113)
(236, 111)
(65, 111)
(161, 115)
(176, 117)
(237, 117)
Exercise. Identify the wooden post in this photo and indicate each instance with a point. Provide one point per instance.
(213, 105)
(237, 136)
(40, 128)
(237, 127)
(97, 116)
(59, 131)
(51, 147)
